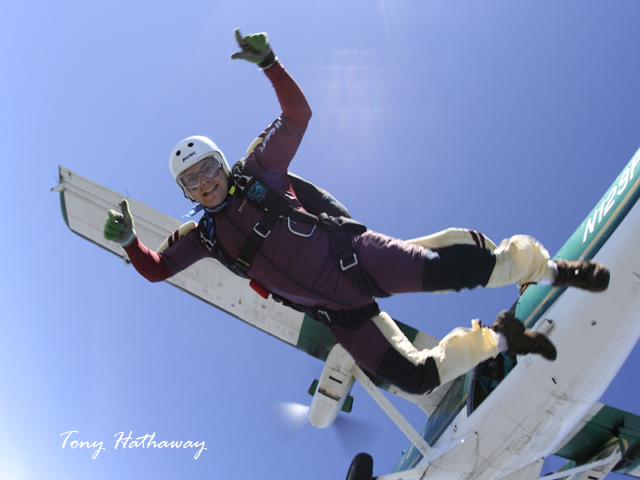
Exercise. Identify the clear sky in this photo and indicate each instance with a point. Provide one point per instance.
(505, 117)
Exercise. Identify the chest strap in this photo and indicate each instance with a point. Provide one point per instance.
(260, 232)
(275, 208)
(273, 205)
(263, 228)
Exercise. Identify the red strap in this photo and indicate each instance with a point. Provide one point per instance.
(260, 290)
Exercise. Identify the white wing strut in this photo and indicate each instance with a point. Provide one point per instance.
(393, 413)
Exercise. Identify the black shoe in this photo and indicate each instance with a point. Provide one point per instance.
(585, 274)
(521, 341)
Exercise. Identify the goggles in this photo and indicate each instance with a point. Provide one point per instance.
(210, 167)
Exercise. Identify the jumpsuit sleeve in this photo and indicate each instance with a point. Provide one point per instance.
(280, 141)
(292, 101)
(157, 267)
(148, 263)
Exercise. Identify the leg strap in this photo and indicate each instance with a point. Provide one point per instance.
(343, 246)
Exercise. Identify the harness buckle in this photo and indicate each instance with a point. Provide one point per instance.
(354, 262)
(325, 315)
(305, 235)
(263, 235)
(243, 263)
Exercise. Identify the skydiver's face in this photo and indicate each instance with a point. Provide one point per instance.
(212, 185)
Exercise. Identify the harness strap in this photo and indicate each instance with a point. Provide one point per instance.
(275, 207)
(347, 319)
(263, 228)
(261, 231)
(344, 251)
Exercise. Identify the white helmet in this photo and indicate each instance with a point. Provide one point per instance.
(189, 152)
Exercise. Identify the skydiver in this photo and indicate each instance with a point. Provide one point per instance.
(335, 272)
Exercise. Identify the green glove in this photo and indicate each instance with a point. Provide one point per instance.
(119, 226)
(255, 48)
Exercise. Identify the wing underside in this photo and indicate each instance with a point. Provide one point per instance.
(84, 205)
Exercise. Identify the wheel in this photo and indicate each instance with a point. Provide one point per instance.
(361, 468)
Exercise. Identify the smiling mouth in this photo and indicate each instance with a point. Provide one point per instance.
(208, 192)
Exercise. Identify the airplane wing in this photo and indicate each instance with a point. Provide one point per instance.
(84, 205)
(600, 429)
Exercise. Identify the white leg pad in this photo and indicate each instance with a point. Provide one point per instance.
(461, 350)
(453, 236)
(456, 354)
(521, 259)
(396, 338)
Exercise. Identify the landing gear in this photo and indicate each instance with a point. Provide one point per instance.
(361, 468)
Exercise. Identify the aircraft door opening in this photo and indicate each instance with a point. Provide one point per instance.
(485, 378)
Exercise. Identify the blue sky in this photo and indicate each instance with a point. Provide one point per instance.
(506, 117)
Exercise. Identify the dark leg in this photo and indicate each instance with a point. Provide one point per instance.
(399, 371)
(457, 267)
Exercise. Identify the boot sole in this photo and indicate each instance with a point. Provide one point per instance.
(546, 348)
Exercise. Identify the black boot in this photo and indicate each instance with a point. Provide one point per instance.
(585, 274)
(521, 341)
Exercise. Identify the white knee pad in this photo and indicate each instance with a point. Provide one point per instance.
(461, 350)
(456, 354)
(454, 236)
(521, 259)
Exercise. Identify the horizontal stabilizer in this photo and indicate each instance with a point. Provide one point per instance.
(603, 426)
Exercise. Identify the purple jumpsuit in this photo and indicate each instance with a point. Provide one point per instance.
(298, 268)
